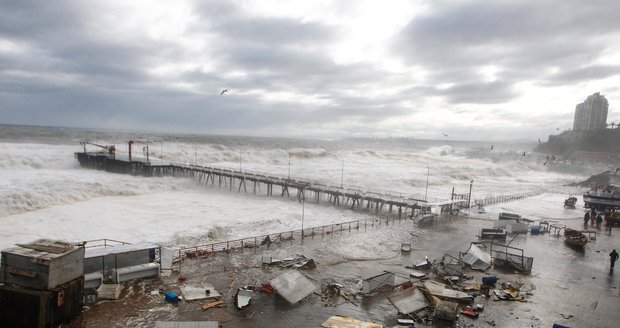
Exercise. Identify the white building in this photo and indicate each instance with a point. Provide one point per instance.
(591, 114)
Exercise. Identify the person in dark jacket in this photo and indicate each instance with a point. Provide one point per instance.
(586, 218)
(613, 257)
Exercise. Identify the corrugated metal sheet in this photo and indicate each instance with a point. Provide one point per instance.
(477, 258)
(440, 290)
(409, 300)
(191, 293)
(42, 249)
(293, 286)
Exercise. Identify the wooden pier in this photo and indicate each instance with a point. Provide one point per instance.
(260, 183)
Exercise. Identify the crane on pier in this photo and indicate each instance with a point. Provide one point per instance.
(109, 149)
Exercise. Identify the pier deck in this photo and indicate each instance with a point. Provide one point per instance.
(240, 180)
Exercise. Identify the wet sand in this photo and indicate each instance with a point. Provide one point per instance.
(569, 287)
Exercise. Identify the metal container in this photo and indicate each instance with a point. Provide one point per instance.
(25, 307)
(103, 258)
(42, 264)
(509, 216)
(123, 262)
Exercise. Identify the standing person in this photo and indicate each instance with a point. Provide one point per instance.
(599, 221)
(613, 257)
(586, 218)
(592, 217)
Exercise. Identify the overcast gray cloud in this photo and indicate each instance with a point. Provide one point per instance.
(315, 70)
(520, 39)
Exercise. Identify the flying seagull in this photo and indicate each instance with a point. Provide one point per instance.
(491, 147)
(224, 91)
(523, 153)
(445, 135)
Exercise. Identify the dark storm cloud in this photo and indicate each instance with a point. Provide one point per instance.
(76, 63)
(60, 41)
(39, 19)
(520, 38)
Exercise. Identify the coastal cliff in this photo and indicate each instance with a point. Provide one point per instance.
(570, 144)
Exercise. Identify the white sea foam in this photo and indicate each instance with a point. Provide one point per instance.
(44, 192)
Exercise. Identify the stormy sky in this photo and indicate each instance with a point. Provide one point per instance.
(473, 70)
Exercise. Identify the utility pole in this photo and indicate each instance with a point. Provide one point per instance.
(302, 201)
(342, 174)
(471, 184)
(428, 170)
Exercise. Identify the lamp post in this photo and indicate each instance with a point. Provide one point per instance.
(342, 174)
(471, 184)
(302, 201)
(289, 165)
(239, 160)
(428, 170)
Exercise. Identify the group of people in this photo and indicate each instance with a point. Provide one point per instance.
(594, 217)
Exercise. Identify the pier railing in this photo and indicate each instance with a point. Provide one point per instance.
(292, 235)
(394, 195)
(506, 198)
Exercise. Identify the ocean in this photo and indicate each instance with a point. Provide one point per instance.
(44, 193)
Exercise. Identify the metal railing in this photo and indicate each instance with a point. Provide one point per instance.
(390, 195)
(505, 198)
(103, 243)
(291, 235)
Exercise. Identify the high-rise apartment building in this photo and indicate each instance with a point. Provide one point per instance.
(591, 114)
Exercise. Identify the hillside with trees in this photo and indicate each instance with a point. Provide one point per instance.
(568, 142)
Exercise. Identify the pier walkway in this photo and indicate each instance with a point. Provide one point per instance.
(306, 191)
(352, 197)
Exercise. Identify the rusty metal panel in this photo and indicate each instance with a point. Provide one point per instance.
(42, 264)
(23, 307)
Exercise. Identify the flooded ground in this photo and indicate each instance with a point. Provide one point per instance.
(569, 287)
